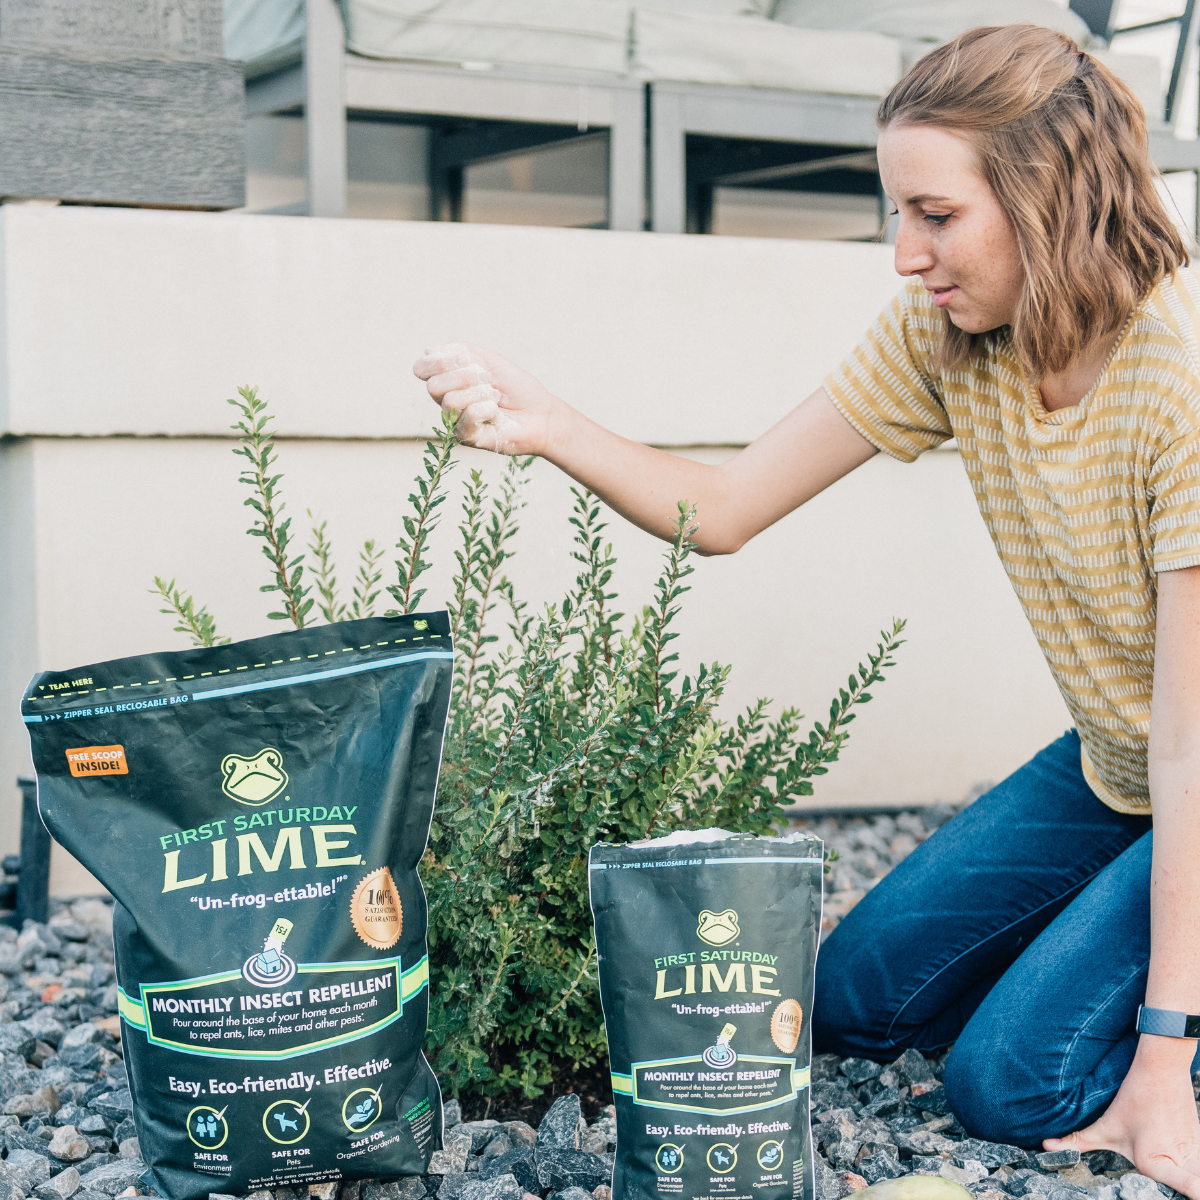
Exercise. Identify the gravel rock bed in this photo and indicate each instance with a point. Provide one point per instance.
(66, 1128)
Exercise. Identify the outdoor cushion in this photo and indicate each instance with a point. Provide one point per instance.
(577, 35)
(264, 34)
(753, 52)
(930, 21)
(711, 8)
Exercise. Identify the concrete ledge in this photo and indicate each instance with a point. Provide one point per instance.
(134, 322)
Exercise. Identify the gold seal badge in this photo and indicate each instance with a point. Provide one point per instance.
(375, 910)
(785, 1025)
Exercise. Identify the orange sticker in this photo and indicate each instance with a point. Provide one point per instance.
(375, 910)
(785, 1025)
(97, 760)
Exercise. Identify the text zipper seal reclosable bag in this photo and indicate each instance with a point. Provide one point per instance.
(706, 944)
(258, 812)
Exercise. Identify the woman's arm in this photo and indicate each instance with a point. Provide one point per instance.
(505, 409)
(1152, 1120)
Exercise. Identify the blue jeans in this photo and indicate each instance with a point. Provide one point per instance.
(1019, 933)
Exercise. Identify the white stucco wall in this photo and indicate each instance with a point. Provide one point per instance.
(123, 332)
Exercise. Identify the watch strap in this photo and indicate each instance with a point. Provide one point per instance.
(1164, 1022)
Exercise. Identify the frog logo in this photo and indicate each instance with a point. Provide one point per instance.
(255, 780)
(718, 929)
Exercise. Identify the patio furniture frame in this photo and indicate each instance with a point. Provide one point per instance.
(474, 116)
(829, 141)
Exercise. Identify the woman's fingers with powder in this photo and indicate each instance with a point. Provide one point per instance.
(500, 407)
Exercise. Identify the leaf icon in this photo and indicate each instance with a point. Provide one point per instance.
(364, 1107)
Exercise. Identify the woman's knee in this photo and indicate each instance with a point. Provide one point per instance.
(998, 1094)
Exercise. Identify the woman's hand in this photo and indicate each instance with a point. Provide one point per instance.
(1152, 1120)
(499, 406)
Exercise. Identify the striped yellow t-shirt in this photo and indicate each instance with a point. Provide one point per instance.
(1085, 505)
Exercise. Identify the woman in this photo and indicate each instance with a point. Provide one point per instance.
(1065, 358)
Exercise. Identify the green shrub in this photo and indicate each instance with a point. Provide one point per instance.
(579, 729)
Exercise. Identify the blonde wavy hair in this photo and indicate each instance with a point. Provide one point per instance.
(1062, 143)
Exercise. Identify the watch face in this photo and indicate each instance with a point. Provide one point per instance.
(1192, 1027)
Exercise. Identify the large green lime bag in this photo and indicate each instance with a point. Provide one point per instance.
(706, 944)
(258, 812)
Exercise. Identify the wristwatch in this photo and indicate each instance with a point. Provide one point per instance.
(1165, 1023)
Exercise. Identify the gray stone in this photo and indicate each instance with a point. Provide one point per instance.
(451, 1114)
(912, 1067)
(94, 1123)
(931, 1099)
(481, 1132)
(1138, 1187)
(42, 1100)
(69, 930)
(826, 1181)
(32, 1168)
(559, 1128)
(559, 1169)
(261, 1194)
(973, 1172)
(126, 1129)
(571, 1193)
(19, 1139)
(129, 1148)
(1052, 1160)
(824, 1067)
(95, 1162)
(1023, 1179)
(116, 1106)
(879, 1166)
(921, 1141)
(595, 1139)
(69, 1145)
(86, 1193)
(522, 1134)
(116, 1176)
(502, 1187)
(884, 1103)
(375, 1189)
(452, 1185)
(520, 1161)
(832, 1094)
(991, 1154)
(16, 1039)
(46, 1027)
(453, 1156)
(86, 1034)
(63, 1186)
(859, 1070)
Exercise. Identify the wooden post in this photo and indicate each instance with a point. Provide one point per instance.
(120, 102)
